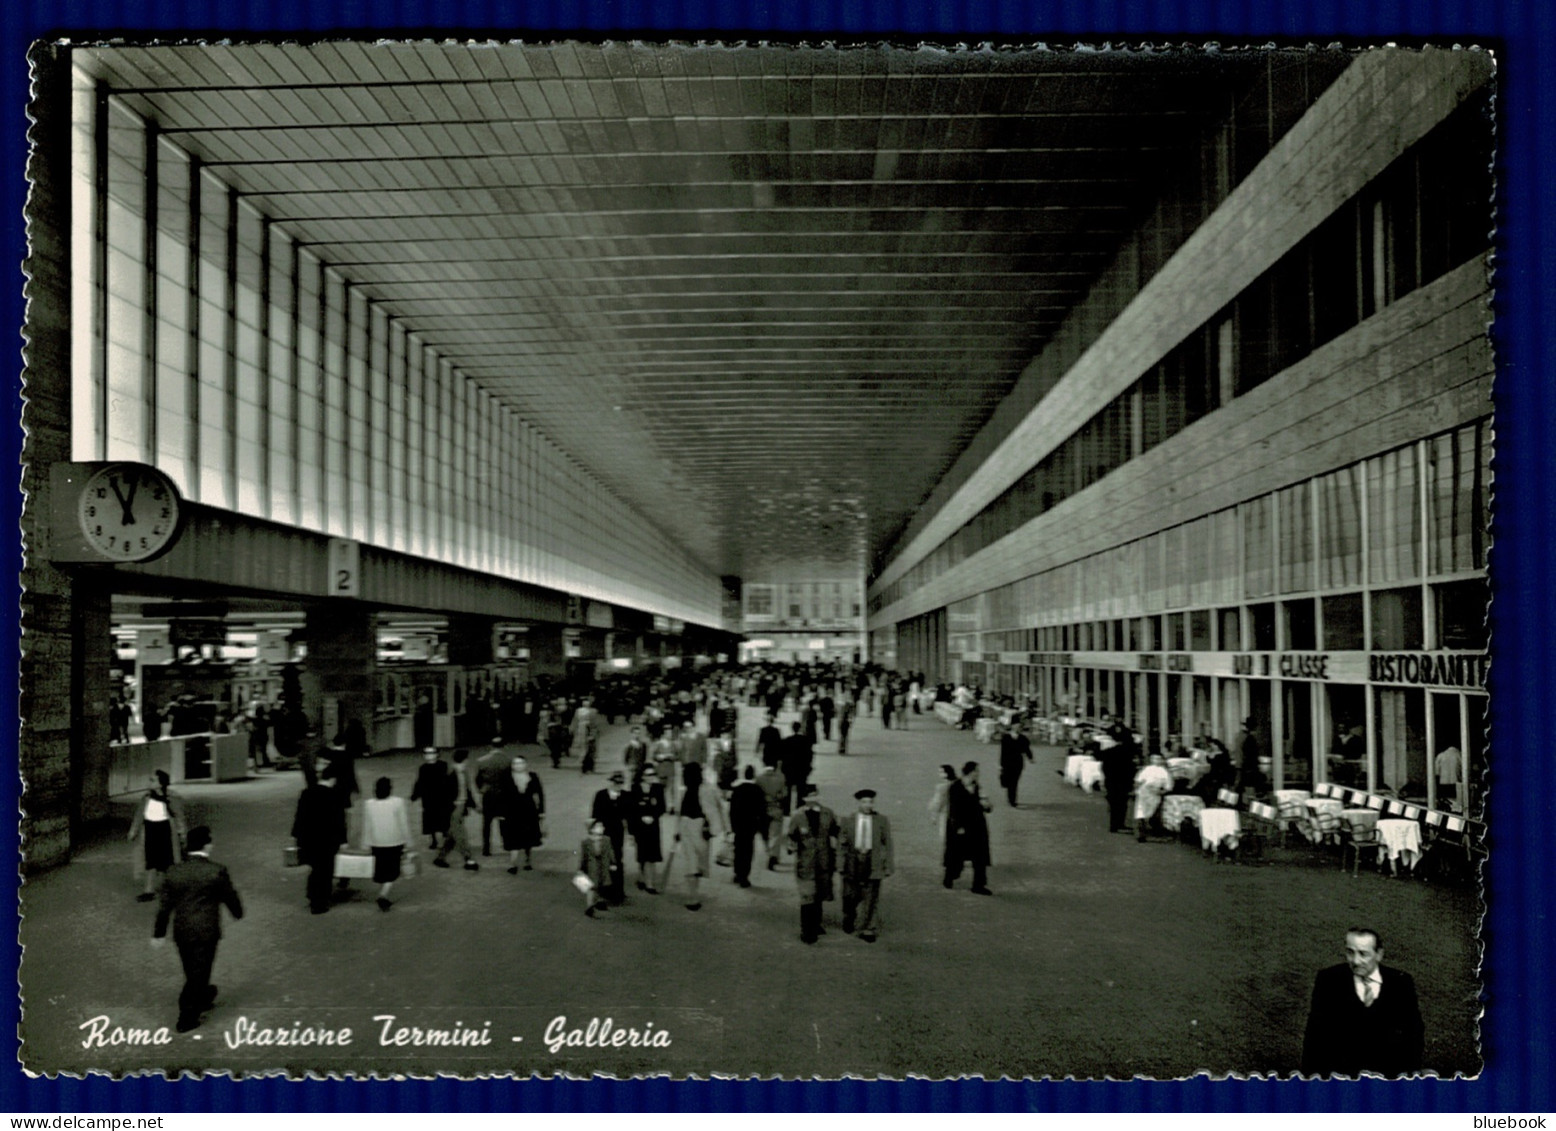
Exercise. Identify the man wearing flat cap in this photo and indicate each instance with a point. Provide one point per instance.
(613, 807)
(864, 843)
(813, 831)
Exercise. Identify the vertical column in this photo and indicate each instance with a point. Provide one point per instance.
(48, 639)
(91, 672)
(1163, 719)
(342, 657)
(1278, 735)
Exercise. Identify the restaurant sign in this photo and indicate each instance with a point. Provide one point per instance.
(1429, 669)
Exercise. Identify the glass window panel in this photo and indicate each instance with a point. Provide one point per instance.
(1229, 628)
(1258, 551)
(213, 479)
(1339, 513)
(1393, 516)
(1343, 623)
(281, 472)
(1461, 614)
(1199, 630)
(1399, 740)
(1396, 619)
(1155, 587)
(309, 501)
(1261, 619)
(1301, 626)
(1296, 539)
(1457, 471)
(1198, 545)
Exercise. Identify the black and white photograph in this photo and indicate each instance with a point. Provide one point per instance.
(635, 558)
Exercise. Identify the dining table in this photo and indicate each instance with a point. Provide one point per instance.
(1091, 774)
(1401, 841)
(1072, 768)
(1360, 818)
(1323, 819)
(1218, 826)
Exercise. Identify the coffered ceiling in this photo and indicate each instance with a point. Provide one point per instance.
(765, 293)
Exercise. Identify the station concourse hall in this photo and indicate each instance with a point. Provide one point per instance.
(1086, 451)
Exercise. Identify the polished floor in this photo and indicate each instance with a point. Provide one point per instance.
(1097, 956)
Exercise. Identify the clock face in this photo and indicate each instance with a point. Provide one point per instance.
(128, 512)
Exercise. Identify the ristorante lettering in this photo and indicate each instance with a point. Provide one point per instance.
(1428, 669)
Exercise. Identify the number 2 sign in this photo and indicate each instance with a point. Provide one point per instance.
(345, 568)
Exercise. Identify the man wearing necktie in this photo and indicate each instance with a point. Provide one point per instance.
(1364, 1016)
(814, 833)
(864, 843)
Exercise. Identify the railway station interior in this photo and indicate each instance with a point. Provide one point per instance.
(1151, 387)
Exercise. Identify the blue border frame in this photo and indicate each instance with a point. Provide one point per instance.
(1518, 1028)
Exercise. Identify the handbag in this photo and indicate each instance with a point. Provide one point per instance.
(725, 857)
(290, 856)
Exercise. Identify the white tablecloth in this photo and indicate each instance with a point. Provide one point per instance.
(1072, 768)
(1361, 818)
(1402, 840)
(1186, 770)
(985, 729)
(1323, 822)
(1091, 775)
(1217, 825)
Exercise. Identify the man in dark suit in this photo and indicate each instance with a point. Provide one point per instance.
(320, 829)
(864, 843)
(1015, 753)
(798, 756)
(747, 818)
(769, 743)
(1118, 775)
(192, 897)
(613, 807)
(1364, 1016)
(967, 830)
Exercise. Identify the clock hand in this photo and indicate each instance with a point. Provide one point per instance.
(126, 503)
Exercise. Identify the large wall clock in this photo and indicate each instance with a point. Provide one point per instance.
(128, 512)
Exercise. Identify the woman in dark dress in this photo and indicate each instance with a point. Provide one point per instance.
(159, 825)
(522, 803)
(648, 806)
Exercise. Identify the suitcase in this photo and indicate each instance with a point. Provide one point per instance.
(353, 866)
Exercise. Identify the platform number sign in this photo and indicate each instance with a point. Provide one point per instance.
(128, 512)
(345, 568)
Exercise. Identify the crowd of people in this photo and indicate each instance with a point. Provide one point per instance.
(681, 793)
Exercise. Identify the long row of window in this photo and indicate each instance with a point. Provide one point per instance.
(1426, 214)
(210, 343)
(1386, 553)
